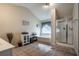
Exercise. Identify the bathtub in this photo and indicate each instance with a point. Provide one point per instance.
(44, 39)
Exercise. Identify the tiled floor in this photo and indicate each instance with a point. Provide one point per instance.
(40, 49)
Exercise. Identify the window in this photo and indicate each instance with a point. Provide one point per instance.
(46, 28)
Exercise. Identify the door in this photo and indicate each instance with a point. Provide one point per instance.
(66, 32)
(63, 32)
(70, 34)
(62, 26)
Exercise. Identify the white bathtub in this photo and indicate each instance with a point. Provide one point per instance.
(45, 39)
(44, 36)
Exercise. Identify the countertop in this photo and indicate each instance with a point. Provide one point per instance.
(4, 45)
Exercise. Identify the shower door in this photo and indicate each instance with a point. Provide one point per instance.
(70, 32)
(62, 27)
(65, 28)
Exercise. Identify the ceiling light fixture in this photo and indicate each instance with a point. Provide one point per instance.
(47, 5)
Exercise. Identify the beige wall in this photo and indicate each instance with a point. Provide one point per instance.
(11, 17)
(75, 27)
(53, 27)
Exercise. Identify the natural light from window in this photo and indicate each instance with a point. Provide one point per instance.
(46, 28)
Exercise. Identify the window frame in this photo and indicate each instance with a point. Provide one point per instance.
(42, 24)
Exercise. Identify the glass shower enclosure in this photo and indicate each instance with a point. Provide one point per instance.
(64, 31)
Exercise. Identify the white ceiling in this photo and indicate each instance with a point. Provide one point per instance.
(42, 14)
(64, 9)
